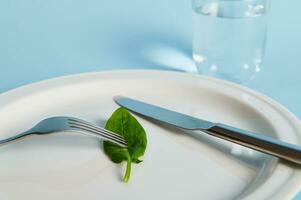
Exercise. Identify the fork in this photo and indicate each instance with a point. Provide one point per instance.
(59, 124)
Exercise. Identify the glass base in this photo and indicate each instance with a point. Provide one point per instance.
(241, 76)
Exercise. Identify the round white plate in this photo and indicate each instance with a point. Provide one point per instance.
(176, 165)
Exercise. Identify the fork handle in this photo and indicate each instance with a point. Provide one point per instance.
(15, 138)
(257, 142)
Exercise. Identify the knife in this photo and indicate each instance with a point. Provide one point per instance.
(255, 141)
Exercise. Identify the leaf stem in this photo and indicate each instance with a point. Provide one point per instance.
(128, 170)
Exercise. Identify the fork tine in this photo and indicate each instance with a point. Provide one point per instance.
(83, 123)
(98, 130)
(104, 134)
(101, 132)
(120, 142)
(91, 126)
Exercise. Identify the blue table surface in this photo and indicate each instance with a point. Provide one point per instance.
(45, 39)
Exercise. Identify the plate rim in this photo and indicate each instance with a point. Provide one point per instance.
(287, 192)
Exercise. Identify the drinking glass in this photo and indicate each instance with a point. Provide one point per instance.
(229, 37)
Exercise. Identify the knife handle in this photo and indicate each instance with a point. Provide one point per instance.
(257, 142)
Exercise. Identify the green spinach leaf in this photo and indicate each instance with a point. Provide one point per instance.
(123, 123)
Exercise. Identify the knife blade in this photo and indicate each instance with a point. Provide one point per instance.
(255, 141)
(161, 114)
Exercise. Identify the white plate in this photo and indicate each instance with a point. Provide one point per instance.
(176, 165)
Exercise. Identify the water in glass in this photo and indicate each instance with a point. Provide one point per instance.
(229, 38)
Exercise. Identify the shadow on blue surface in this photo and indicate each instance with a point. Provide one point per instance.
(155, 51)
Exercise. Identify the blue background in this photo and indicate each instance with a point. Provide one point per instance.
(45, 39)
